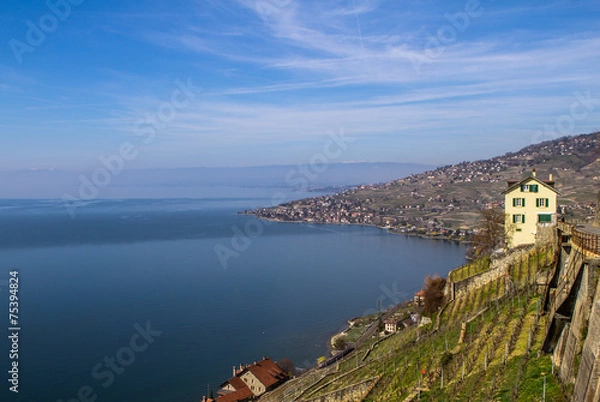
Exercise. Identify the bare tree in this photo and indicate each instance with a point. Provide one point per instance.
(433, 292)
(490, 233)
(287, 366)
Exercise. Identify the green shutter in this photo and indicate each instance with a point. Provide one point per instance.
(542, 202)
(534, 188)
(544, 218)
(518, 215)
(514, 202)
(522, 202)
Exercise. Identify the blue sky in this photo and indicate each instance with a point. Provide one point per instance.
(432, 82)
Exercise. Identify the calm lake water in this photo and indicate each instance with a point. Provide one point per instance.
(85, 283)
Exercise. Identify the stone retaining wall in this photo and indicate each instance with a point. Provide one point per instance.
(498, 268)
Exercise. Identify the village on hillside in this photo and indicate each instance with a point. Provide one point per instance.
(444, 203)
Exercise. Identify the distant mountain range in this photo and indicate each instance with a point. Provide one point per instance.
(201, 181)
(444, 201)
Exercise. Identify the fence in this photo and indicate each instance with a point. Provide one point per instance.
(587, 241)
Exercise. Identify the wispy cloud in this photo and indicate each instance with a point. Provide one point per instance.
(279, 71)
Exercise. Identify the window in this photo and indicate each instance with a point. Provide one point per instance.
(518, 202)
(544, 218)
(529, 188)
(542, 202)
(518, 218)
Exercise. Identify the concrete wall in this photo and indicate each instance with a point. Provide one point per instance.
(586, 385)
(573, 334)
(576, 299)
(587, 382)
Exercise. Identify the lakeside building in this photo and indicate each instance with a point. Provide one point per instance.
(396, 324)
(392, 324)
(251, 381)
(419, 298)
(530, 205)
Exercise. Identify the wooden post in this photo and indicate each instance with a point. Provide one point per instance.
(544, 390)
(485, 361)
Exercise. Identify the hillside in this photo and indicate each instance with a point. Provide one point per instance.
(484, 345)
(444, 202)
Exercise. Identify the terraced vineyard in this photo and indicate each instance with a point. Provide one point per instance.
(484, 346)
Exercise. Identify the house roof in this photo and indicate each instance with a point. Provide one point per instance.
(236, 382)
(513, 184)
(267, 372)
(241, 393)
(236, 396)
(420, 293)
(407, 322)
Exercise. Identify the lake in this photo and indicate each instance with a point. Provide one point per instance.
(192, 286)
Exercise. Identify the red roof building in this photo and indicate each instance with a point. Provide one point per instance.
(250, 381)
(419, 298)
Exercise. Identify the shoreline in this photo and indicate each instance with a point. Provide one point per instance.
(386, 228)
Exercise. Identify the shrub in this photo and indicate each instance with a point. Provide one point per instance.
(338, 342)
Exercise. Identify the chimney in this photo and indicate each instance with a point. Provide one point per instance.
(533, 172)
(234, 373)
(550, 177)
